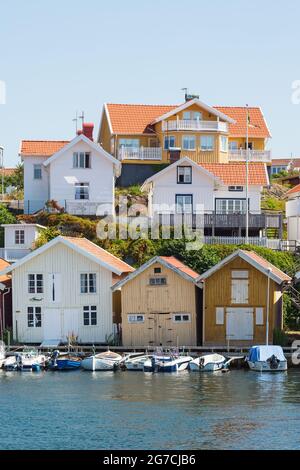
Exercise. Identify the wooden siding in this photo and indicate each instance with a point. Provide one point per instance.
(218, 294)
(158, 304)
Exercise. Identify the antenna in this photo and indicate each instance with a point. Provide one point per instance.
(76, 121)
(185, 92)
(81, 117)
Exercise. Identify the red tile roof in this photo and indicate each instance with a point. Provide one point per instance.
(7, 171)
(235, 173)
(257, 124)
(179, 265)
(286, 161)
(3, 265)
(136, 119)
(295, 189)
(40, 148)
(101, 254)
(266, 264)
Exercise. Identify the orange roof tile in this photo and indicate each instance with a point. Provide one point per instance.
(44, 148)
(8, 171)
(235, 173)
(286, 161)
(179, 265)
(257, 124)
(100, 253)
(3, 265)
(295, 189)
(266, 264)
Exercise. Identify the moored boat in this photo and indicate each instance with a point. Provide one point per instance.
(26, 360)
(2, 353)
(170, 361)
(67, 361)
(107, 360)
(137, 362)
(266, 359)
(207, 363)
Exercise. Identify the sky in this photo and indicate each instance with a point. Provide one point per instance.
(62, 56)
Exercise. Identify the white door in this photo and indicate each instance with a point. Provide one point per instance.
(239, 323)
(70, 323)
(52, 324)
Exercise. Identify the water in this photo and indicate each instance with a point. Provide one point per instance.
(133, 410)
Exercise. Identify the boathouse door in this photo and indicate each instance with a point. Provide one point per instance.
(52, 324)
(239, 323)
(160, 329)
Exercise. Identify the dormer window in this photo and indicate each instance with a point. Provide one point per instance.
(184, 175)
(19, 237)
(81, 160)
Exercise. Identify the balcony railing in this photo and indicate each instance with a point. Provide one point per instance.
(11, 254)
(141, 153)
(254, 155)
(194, 125)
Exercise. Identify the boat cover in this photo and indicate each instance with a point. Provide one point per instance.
(263, 353)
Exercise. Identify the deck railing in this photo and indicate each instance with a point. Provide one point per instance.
(240, 155)
(11, 254)
(194, 125)
(141, 153)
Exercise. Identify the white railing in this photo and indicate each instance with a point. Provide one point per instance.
(11, 254)
(258, 241)
(85, 207)
(141, 153)
(194, 125)
(254, 155)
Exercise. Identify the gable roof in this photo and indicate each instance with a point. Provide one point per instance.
(81, 137)
(169, 262)
(255, 260)
(295, 189)
(257, 123)
(84, 247)
(234, 173)
(41, 148)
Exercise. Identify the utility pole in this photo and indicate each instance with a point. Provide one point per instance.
(268, 307)
(247, 175)
(2, 170)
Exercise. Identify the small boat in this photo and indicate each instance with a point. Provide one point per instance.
(167, 362)
(107, 360)
(27, 360)
(67, 361)
(207, 363)
(136, 362)
(2, 353)
(266, 359)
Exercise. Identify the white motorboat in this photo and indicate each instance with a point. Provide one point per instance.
(167, 362)
(266, 359)
(107, 360)
(137, 362)
(27, 360)
(2, 353)
(207, 363)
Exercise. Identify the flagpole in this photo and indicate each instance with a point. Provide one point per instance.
(247, 175)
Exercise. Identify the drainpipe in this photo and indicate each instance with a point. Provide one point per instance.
(268, 307)
(3, 310)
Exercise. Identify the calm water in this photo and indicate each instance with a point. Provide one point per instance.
(123, 410)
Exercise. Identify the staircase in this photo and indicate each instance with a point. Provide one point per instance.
(294, 295)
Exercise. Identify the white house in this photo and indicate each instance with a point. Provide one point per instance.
(19, 240)
(292, 210)
(215, 191)
(63, 289)
(78, 175)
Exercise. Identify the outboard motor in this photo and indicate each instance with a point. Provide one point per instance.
(153, 364)
(273, 361)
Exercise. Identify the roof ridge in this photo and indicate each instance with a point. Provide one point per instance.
(143, 104)
(44, 140)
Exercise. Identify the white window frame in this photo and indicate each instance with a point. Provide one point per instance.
(186, 172)
(37, 171)
(181, 315)
(184, 207)
(89, 309)
(88, 282)
(167, 139)
(204, 145)
(19, 237)
(129, 143)
(83, 190)
(157, 281)
(136, 318)
(236, 188)
(36, 313)
(82, 160)
(190, 140)
(224, 143)
(230, 206)
(35, 283)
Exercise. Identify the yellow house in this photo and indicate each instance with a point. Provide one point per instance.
(157, 134)
(159, 304)
(242, 300)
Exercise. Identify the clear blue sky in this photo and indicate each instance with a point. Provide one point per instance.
(60, 56)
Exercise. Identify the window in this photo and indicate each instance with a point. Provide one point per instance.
(153, 142)
(157, 270)
(112, 145)
(219, 315)
(235, 188)
(181, 317)
(224, 143)
(169, 142)
(189, 142)
(135, 318)
(129, 143)
(90, 315)
(184, 174)
(88, 283)
(19, 237)
(277, 169)
(230, 206)
(233, 145)
(207, 142)
(37, 172)
(81, 160)
(82, 191)
(197, 115)
(34, 317)
(239, 287)
(184, 203)
(35, 284)
(259, 316)
(158, 281)
(186, 115)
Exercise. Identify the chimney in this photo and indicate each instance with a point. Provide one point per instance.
(87, 129)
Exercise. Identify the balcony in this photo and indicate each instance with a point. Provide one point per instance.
(263, 156)
(194, 125)
(140, 153)
(13, 254)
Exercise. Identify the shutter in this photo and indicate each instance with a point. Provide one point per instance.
(259, 316)
(239, 291)
(219, 315)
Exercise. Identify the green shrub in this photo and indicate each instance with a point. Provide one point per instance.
(279, 337)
